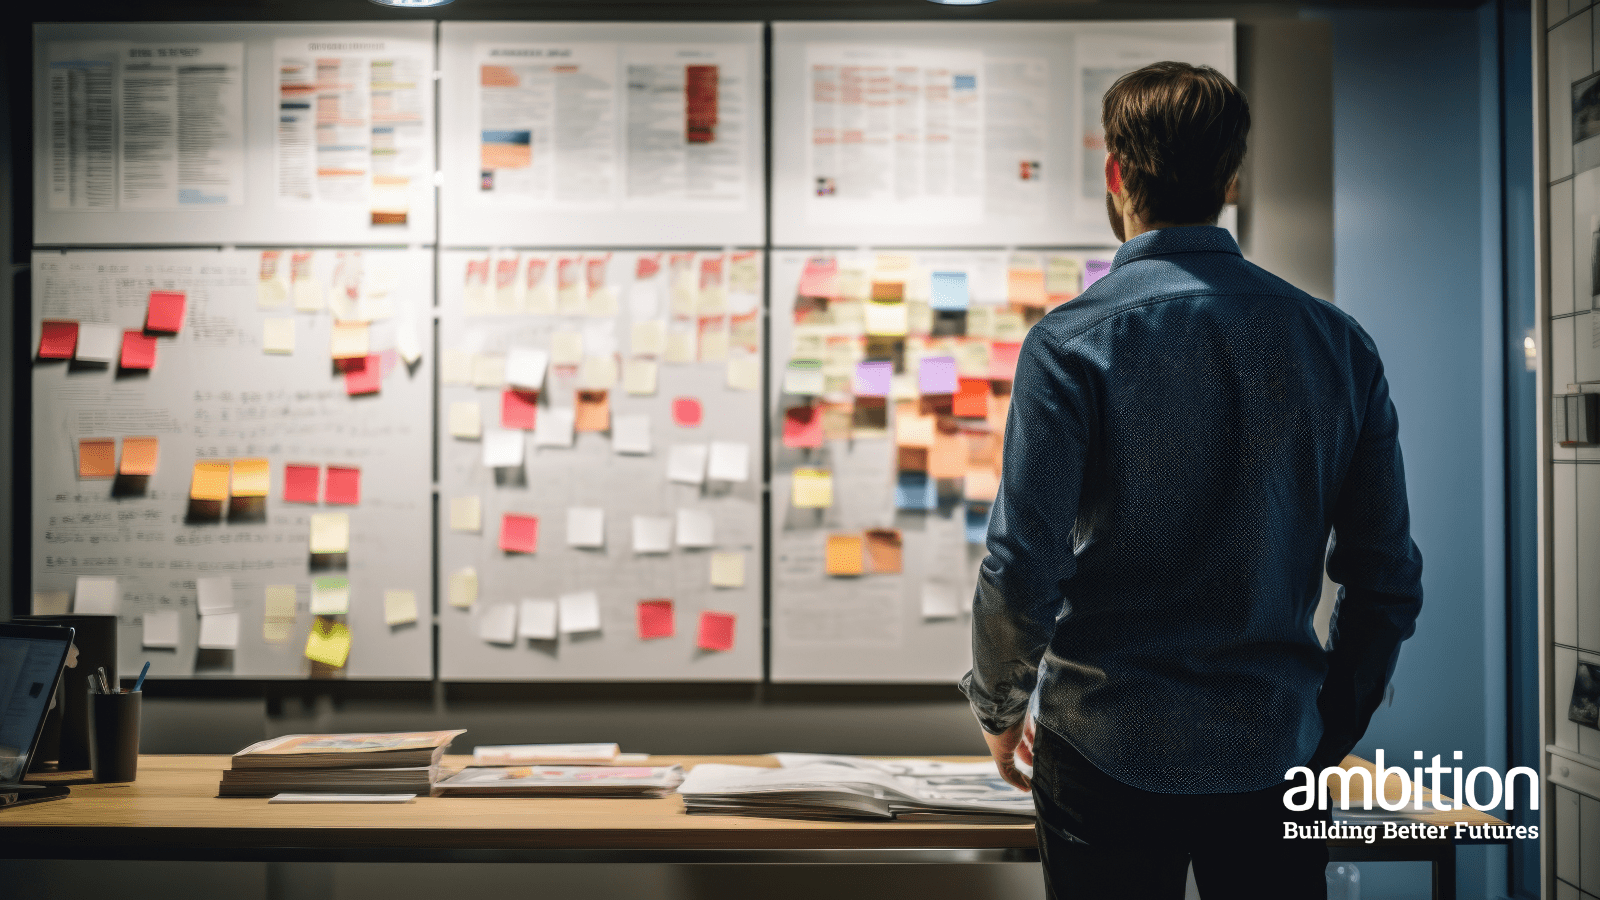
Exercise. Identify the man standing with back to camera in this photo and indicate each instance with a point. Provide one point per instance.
(1183, 437)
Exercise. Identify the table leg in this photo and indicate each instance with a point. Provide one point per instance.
(1444, 872)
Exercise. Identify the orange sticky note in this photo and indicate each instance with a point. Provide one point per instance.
(911, 459)
(97, 457)
(1025, 287)
(716, 631)
(519, 409)
(802, 426)
(519, 533)
(139, 455)
(888, 290)
(972, 399)
(948, 458)
(592, 411)
(686, 412)
(251, 478)
(301, 483)
(344, 485)
(165, 312)
(981, 485)
(210, 480)
(884, 550)
(656, 619)
(58, 340)
(138, 350)
(845, 555)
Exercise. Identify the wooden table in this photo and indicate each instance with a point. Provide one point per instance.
(172, 812)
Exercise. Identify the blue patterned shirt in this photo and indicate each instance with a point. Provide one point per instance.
(1182, 439)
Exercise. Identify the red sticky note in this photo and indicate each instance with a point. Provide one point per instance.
(1003, 359)
(59, 340)
(519, 409)
(301, 483)
(972, 399)
(716, 631)
(518, 533)
(165, 312)
(802, 426)
(138, 350)
(655, 619)
(344, 485)
(364, 375)
(686, 412)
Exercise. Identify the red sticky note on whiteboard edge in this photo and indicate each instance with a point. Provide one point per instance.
(519, 409)
(344, 485)
(58, 340)
(656, 619)
(364, 376)
(165, 312)
(686, 412)
(301, 483)
(138, 350)
(716, 631)
(519, 533)
(802, 427)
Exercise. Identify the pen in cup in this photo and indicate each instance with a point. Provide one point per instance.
(142, 673)
(105, 684)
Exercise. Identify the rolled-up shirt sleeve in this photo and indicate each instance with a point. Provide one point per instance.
(1030, 540)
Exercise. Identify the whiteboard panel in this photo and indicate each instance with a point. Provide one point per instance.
(970, 134)
(213, 393)
(178, 133)
(911, 548)
(574, 134)
(489, 313)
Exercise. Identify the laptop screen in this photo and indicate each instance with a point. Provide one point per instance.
(30, 663)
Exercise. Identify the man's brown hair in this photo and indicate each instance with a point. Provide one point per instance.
(1178, 132)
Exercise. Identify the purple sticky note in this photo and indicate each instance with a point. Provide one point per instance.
(1094, 270)
(873, 377)
(937, 375)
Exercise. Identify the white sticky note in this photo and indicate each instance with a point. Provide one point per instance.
(644, 299)
(466, 420)
(536, 620)
(630, 434)
(216, 595)
(408, 340)
(680, 346)
(938, 601)
(464, 587)
(727, 570)
(488, 370)
(330, 597)
(652, 534)
(579, 612)
(502, 447)
(277, 336)
(399, 607)
(648, 338)
(455, 367)
(639, 377)
(805, 380)
(466, 514)
(586, 526)
(554, 427)
(95, 596)
(744, 373)
(566, 348)
(687, 463)
(98, 343)
(219, 631)
(729, 461)
(695, 528)
(497, 623)
(525, 368)
(307, 294)
(330, 533)
(161, 628)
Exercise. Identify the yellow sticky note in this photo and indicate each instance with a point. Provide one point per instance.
(464, 587)
(210, 481)
(251, 478)
(886, 319)
(466, 514)
(744, 373)
(649, 338)
(455, 367)
(813, 488)
(639, 376)
(727, 570)
(277, 336)
(466, 420)
(330, 533)
(598, 373)
(845, 555)
(399, 607)
(276, 631)
(349, 340)
(566, 348)
(680, 346)
(912, 430)
(279, 602)
(488, 370)
(329, 643)
(139, 455)
(713, 346)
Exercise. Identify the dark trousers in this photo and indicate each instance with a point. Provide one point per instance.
(1102, 839)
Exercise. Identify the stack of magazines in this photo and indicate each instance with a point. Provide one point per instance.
(384, 763)
(808, 786)
(562, 781)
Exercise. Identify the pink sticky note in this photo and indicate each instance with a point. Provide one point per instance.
(716, 631)
(873, 378)
(344, 485)
(937, 375)
(686, 412)
(519, 409)
(138, 350)
(1003, 359)
(59, 340)
(820, 279)
(656, 619)
(364, 375)
(802, 427)
(519, 533)
(301, 483)
(165, 312)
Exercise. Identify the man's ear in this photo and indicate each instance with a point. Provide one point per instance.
(1232, 196)
(1113, 175)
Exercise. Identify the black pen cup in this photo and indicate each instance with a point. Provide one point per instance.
(114, 736)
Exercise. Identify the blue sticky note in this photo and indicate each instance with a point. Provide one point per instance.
(949, 291)
(915, 490)
(978, 522)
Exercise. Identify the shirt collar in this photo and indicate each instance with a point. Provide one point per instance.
(1184, 239)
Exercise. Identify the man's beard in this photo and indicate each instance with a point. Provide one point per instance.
(1115, 217)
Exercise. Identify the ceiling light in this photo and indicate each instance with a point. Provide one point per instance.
(411, 4)
(961, 2)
